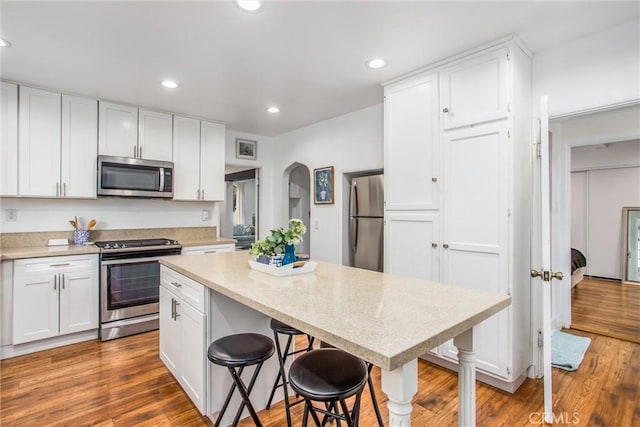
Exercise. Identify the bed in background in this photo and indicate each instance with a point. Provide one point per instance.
(578, 262)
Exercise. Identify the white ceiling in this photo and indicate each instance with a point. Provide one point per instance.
(306, 57)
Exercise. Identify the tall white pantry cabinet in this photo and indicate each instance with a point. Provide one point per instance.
(458, 158)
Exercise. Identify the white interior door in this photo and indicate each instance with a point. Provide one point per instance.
(546, 275)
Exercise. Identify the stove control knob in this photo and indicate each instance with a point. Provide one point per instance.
(115, 245)
(123, 245)
(106, 246)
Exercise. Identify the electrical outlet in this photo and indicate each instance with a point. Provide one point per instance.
(11, 215)
(205, 215)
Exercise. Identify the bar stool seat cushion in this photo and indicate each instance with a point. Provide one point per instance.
(240, 350)
(327, 375)
(283, 328)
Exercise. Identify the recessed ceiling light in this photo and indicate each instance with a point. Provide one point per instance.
(250, 5)
(273, 109)
(5, 43)
(170, 84)
(376, 63)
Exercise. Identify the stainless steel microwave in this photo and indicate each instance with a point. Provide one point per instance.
(128, 177)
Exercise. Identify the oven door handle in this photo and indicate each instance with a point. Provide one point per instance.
(128, 260)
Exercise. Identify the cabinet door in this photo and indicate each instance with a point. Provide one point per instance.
(192, 327)
(79, 300)
(79, 146)
(475, 90)
(411, 245)
(170, 335)
(39, 143)
(476, 222)
(118, 130)
(155, 135)
(411, 144)
(186, 158)
(8, 139)
(212, 161)
(35, 307)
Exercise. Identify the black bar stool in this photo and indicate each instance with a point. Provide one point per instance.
(374, 400)
(281, 379)
(239, 351)
(330, 376)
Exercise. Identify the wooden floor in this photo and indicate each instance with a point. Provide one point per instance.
(124, 383)
(606, 307)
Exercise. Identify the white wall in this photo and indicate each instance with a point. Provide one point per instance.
(590, 72)
(111, 213)
(265, 163)
(351, 142)
(600, 189)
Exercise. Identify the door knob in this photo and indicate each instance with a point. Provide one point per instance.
(434, 245)
(446, 246)
(557, 275)
(445, 110)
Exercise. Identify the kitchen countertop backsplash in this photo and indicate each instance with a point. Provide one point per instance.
(19, 245)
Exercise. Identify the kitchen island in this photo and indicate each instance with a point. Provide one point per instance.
(385, 319)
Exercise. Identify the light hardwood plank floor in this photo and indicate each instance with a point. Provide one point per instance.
(606, 307)
(124, 383)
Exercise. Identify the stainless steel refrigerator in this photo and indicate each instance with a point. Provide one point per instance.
(366, 222)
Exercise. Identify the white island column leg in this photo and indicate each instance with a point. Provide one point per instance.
(400, 385)
(466, 379)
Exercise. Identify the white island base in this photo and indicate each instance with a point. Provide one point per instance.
(385, 319)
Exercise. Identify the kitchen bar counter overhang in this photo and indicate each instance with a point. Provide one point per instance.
(386, 319)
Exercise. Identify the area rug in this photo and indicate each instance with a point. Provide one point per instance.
(567, 351)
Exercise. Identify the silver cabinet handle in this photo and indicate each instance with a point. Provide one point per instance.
(176, 284)
(64, 189)
(434, 179)
(63, 264)
(177, 303)
(434, 245)
(445, 110)
(135, 151)
(63, 280)
(202, 194)
(140, 152)
(210, 252)
(57, 189)
(55, 282)
(173, 309)
(198, 198)
(446, 246)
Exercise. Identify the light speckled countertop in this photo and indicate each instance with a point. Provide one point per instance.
(385, 319)
(46, 251)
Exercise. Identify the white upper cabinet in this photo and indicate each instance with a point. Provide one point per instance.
(39, 147)
(155, 133)
(411, 144)
(186, 158)
(212, 161)
(9, 139)
(475, 90)
(79, 147)
(57, 150)
(198, 155)
(118, 130)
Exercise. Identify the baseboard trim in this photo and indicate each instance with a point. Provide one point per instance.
(8, 351)
(509, 387)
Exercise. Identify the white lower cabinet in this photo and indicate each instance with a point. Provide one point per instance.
(54, 296)
(208, 249)
(183, 333)
(416, 256)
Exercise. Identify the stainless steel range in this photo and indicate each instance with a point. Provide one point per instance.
(130, 285)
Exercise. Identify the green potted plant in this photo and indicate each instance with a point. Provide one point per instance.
(277, 248)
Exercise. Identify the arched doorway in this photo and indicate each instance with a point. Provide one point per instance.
(298, 180)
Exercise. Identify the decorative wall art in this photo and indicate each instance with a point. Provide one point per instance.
(246, 149)
(323, 185)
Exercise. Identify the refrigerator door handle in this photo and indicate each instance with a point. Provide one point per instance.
(354, 234)
(353, 206)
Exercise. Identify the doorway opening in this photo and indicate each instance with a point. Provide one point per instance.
(298, 179)
(239, 220)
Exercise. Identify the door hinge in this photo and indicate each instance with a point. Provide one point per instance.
(508, 133)
(538, 148)
(508, 107)
(540, 339)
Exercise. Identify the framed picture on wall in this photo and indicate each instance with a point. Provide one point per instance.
(246, 149)
(323, 185)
